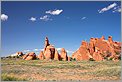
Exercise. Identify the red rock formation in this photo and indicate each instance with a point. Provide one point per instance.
(64, 54)
(83, 53)
(102, 38)
(110, 39)
(29, 56)
(46, 43)
(98, 49)
(69, 59)
(41, 55)
(49, 52)
(84, 44)
(97, 55)
(92, 46)
(74, 55)
(56, 56)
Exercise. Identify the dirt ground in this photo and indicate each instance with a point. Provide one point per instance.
(36, 70)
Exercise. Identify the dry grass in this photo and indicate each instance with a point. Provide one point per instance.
(35, 70)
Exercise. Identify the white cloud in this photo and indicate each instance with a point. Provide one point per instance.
(117, 9)
(45, 18)
(4, 17)
(68, 51)
(26, 51)
(36, 49)
(42, 49)
(58, 49)
(83, 18)
(32, 19)
(54, 12)
(107, 8)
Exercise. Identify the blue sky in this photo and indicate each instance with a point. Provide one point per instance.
(24, 25)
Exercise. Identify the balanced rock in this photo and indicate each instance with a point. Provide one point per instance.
(46, 43)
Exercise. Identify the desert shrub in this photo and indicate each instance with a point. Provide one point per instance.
(108, 72)
(120, 57)
(91, 59)
(111, 59)
(117, 53)
(73, 59)
(5, 77)
(9, 57)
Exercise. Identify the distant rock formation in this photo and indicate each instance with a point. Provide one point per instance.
(56, 56)
(41, 56)
(98, 49)
(46, 43)
(29, 56)
(51, 53)
(17, 54)
(64, 55)
(69, 59)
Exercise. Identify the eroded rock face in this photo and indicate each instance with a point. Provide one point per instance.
(46, 43)
(64, 55)
(56, 55)
(50, 53)
(82, 53)
(29, 56)
(85, 52)
(98, 49)
(69, 59)
(110, 39)
(41, 55)
(102, 38)
(97, 56)
(47, 54)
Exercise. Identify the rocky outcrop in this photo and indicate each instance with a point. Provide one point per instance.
(69, 59)
(46, 43)
(83, 52)
(50, 52)
(29, 56)
(98, 49)
(41, 56)
(56, 55)
(97, 55)
(64, 55)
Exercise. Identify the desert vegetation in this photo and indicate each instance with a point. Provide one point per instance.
(16, 69)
